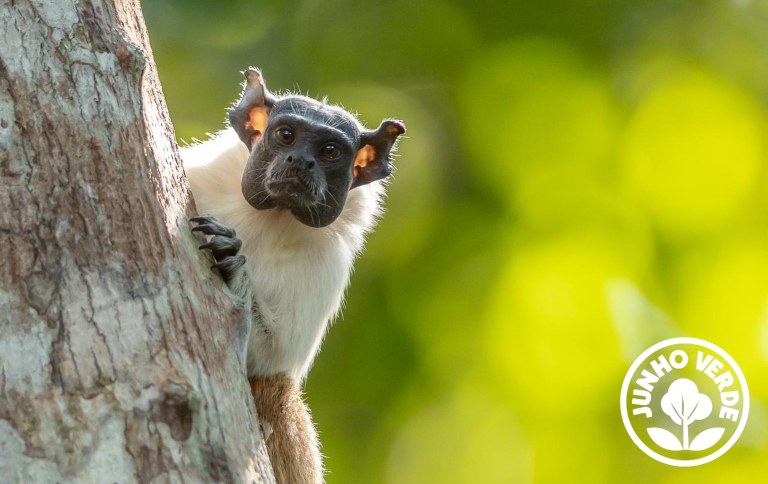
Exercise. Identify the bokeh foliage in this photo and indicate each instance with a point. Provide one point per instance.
(581, 179)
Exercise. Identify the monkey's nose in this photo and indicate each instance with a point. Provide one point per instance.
(300, 161)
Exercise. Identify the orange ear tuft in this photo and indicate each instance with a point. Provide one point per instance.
(257, 121)
(365, 155)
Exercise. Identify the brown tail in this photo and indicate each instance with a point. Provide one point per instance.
(292, 442)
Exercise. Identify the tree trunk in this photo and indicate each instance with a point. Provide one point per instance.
(116, 340)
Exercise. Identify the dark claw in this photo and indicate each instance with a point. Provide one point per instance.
(222, 247)
(211, 226)
(229, 265)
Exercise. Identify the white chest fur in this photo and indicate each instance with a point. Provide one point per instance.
(298, 273)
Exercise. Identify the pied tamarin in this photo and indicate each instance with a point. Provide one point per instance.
(288, 194)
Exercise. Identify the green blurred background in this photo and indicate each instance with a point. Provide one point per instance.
(580, 179)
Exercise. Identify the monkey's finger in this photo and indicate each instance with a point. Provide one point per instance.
(222, 247)
(211, 226)
(207, 229)
(228, 266)
(202, 219)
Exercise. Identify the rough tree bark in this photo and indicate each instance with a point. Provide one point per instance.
(115, 339)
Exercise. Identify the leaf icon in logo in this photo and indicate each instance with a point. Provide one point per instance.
(684, 405)
(706, 439)
(664, 438)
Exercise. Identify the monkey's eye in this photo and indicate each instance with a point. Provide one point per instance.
(330, 151)
(285, 135)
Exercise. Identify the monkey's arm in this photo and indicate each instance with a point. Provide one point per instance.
(292, 442)
(224, 246)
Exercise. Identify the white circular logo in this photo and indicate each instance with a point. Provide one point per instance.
(684, 402)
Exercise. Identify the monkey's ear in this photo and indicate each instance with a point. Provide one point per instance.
(249, 117)
(373, 161)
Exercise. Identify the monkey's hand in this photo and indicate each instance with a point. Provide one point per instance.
(224, 247)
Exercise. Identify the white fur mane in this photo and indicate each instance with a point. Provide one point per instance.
(298, 273)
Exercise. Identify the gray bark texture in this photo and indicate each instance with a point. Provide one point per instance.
(116, 340)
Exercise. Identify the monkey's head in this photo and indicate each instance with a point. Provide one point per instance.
(305, 155)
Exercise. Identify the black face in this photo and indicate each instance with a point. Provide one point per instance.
(303, 161)
(306, 155)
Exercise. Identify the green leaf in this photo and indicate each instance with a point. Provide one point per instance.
(707, 439)
(664, 439)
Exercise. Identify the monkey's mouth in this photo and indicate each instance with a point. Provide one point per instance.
(309, 199)
(292, 191)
